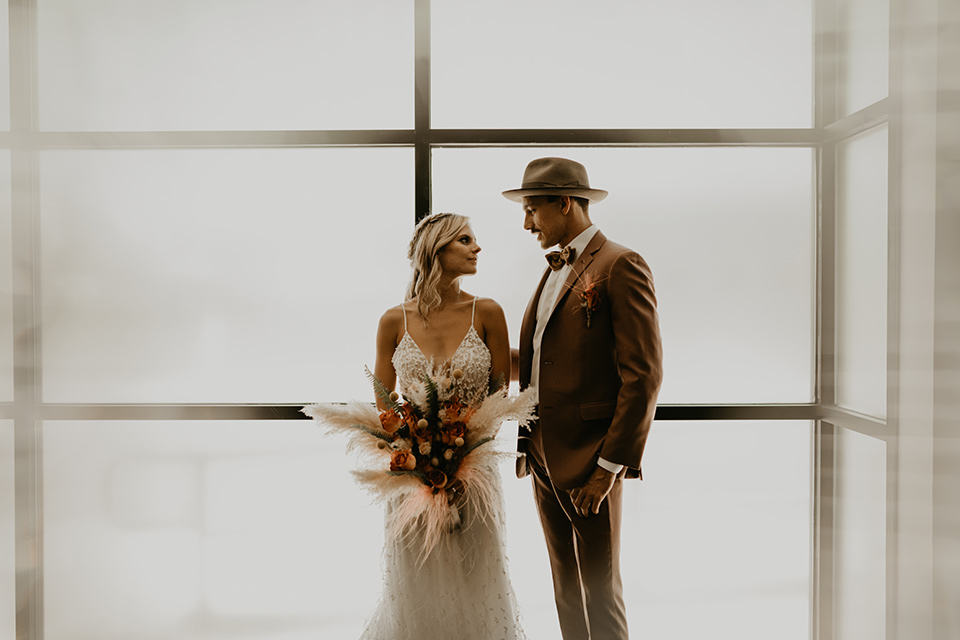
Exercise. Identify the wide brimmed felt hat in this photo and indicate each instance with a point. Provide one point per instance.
(555, 177)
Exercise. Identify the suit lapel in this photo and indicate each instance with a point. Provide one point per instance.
(579, 266)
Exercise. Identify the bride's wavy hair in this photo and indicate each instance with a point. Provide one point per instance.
(432, 234)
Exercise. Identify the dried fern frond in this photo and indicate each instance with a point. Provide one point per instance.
(381, 390)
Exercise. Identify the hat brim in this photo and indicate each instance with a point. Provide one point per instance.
(593, 195)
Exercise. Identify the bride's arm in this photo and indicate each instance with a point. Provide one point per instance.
(497, 341)
(387, 332)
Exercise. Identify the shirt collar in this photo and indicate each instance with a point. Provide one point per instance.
(581, 241)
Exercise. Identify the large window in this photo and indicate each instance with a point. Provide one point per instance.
(687, 63)
(218, 275)
(205, 207)
(142, 65)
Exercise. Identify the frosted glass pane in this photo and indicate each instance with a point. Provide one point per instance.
(860, 537)
(224, 64)
(716, 536)
(728, 234)
(864, 46)
(862, 273)
(610, 63)
(246, 275)
(720, 532)
(192, 530)
(8, 535)
(4, 65)
(6, 281)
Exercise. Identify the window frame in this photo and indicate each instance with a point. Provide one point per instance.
(29, 411)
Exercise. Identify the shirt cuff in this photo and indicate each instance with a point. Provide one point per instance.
(612, 467)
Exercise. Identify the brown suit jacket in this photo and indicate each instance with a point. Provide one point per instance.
(598, 384)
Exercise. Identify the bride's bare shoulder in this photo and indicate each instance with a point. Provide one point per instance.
(487, 304)
(489, 309)
(392, 319)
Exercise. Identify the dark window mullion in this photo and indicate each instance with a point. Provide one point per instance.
(421, 80)
(170, 412)
(628, 137)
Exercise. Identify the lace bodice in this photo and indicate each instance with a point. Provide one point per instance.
(472, 357)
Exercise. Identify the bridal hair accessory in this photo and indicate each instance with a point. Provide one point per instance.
(429, 455)
(555, 177)
(556, 259)
(422, 224)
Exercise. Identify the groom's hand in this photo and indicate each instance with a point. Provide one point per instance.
(588, 498)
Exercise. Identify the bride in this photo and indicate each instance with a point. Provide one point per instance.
(461, 589)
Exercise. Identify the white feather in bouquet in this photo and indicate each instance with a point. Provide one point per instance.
(431, 456)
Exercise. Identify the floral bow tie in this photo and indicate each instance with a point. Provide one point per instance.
(556, 259)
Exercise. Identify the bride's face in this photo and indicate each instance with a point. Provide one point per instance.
(460, 256)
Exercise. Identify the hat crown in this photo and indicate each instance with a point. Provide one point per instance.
(555, 172)
(555, 177)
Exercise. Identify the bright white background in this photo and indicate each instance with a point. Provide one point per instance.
(250, 275)
(862, 273)
(245, 530)
(224, 65)
(860, 540)
(865, 48)
(684, 63)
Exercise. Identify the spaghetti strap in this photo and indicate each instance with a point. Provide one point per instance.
(473, 314)
(403, 307)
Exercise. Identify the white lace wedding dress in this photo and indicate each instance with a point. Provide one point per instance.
(461, 591)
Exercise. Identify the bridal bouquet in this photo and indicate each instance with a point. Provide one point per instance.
(430, 454)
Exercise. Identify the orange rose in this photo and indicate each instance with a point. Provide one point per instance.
(437, 478)
(390, 421)
(454, 410)
(408, 416)
(450, 432)
(590, 299)
(402, 461)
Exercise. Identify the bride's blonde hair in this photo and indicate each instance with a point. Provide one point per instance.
(433, 233)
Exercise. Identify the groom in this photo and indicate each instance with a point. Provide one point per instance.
(590, 343)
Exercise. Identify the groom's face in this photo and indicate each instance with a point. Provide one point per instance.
(544, 219)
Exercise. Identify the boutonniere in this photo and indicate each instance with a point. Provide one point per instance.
(589, 298)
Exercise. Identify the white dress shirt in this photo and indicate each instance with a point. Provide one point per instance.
(552, 289)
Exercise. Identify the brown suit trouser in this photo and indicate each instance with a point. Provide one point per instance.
(585, 560)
